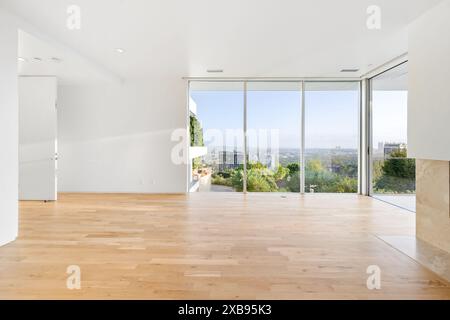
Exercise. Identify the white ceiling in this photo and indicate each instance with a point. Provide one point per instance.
(43, 58)
(393, 79)
(253, 38)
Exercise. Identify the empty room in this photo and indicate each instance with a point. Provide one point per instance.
(224, 150)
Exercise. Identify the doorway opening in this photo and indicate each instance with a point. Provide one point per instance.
(393, 173)
(37, 121)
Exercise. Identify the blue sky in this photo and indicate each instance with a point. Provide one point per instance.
(331, 116)
(390, 116)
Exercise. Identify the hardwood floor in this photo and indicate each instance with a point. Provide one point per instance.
(213, 246)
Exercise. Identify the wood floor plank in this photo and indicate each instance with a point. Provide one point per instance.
(213, 246)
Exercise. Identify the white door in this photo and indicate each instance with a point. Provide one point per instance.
(37, 138)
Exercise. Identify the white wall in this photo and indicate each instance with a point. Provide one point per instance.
(429, 91)
(117, 137)
(8, 130)
(37, 138)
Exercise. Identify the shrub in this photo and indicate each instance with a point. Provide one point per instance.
(196, 132)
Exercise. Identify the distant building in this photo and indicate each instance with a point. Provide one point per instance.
(230, 160)
(391, 147)
(335, 167)
(272, 159)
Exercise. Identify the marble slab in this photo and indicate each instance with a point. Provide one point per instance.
(433, 202)
(429, 256)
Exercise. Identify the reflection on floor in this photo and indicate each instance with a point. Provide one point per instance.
(213, 246)
(431, 257)
(405, 201)
(219, 188)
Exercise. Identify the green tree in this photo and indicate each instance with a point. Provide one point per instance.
(255, 165)
(237, 179)
(196, 132)
(293, 183)
(197, 163)
(259, 178)
(260, 181)
(314, 165)
(281, 173)
(344, 185)
(293, 168)
(221, 180)
(398, 174)
(321, 180)
(377, 169)
(400, 166)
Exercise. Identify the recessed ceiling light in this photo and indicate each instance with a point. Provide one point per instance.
(214, 70)
(37, 59)
(22, 59)
(55, 59)
(120, 50)
(349, 70)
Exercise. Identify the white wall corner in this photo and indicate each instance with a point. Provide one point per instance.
(428, 94)
(8, 129)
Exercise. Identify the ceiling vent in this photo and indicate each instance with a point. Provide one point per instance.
(349, 70)
(214, 70)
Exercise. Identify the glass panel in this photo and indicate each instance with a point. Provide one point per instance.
(331, 137)
(217, 138)
(393, 173)
(273, 131)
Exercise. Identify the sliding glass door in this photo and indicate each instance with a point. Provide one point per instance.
(274, 136)
(300, 136)
(392, 172)
(331, 137)
(216, 116)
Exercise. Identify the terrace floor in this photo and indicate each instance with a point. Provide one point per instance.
(405, 201)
